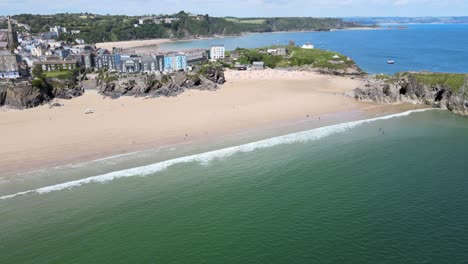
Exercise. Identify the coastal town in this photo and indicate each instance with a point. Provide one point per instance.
(21, 52)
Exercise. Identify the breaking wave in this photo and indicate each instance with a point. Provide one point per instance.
(207, 157)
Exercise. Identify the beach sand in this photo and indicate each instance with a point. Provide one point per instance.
(43, 137)
(132, 44)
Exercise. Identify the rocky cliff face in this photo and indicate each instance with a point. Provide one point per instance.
(411, 88)
(22, 95)
(65, 88)
(350, 71)
(353, 70)
(28, 94)
(156, 85)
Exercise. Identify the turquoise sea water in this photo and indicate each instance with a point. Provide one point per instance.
(439, 48)
(390, 190)
(347, 193)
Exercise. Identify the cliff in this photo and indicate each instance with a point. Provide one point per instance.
(441, 90)
(28, 94)
(156, 85)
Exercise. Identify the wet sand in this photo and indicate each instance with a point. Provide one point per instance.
(43, 137)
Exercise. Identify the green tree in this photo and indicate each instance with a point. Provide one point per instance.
(37, 71)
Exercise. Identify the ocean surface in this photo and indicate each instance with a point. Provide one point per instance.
(385, 190)
(431, 47)
(392, 189)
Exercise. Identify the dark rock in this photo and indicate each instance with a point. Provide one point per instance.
(406, 89)
(22, 94)
(159, 85)
(56, 104)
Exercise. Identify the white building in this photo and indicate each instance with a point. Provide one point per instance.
(308, 46)
(272, 51)
(59, 30)
(75, 32)
(55, 44)
(217, 52)
(38, 51)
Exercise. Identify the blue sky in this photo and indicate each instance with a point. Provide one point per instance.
(244, 8)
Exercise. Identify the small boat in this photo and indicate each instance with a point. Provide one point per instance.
(89, 111)
(390, 62)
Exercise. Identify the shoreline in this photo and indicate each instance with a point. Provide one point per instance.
(155, 43)
(132, 43)
(203, 155)
(42, 138)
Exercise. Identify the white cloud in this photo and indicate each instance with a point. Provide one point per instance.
(400, 2)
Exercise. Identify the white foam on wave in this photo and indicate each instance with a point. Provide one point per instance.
(207, 157)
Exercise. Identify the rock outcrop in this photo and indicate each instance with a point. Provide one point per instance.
(408, 88)
(65, 88)
(156, 85)
(352, 70)
(21, 95)
(28, 94)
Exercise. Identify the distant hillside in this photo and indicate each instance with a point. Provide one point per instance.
(104, 28)
(407, 20)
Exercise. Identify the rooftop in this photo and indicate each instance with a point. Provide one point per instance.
(55, 62)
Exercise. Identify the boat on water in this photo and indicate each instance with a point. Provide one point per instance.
(390, 62)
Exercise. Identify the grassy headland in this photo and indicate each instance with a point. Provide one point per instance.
(452, 81)
(106, 28)
(295, 57)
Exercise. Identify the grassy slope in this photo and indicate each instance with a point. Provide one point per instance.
(296, 57)
(58, 74)
(102, 28)
(453, 81)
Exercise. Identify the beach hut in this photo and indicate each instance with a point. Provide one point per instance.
(240, 67)
(258, 65)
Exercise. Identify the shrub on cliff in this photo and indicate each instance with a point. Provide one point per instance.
(37, 71)
(39, 83)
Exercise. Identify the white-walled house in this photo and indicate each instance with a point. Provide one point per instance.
(217, 52)
(308, 46)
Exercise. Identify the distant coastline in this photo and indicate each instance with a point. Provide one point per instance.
(155, 43)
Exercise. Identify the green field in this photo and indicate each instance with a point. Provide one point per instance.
(246, 21)
(58, 74)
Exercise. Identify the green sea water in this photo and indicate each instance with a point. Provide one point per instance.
(387, 191)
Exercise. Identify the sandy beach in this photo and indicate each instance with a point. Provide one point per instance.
(43, 137)
(132, 44)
